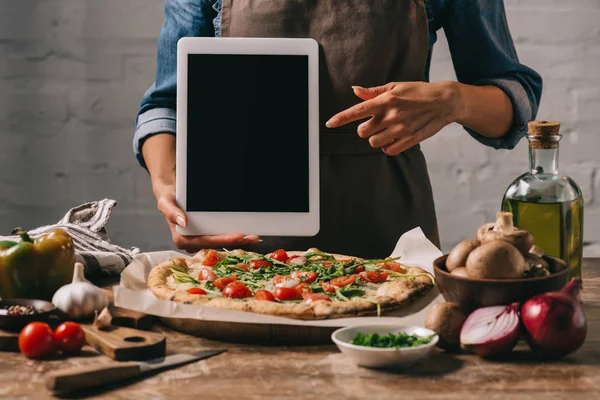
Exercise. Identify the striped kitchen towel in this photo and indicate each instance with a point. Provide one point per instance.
(86, 225)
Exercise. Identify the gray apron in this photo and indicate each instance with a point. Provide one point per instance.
(368, 199)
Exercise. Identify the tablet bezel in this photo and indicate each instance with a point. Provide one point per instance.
(257, 223)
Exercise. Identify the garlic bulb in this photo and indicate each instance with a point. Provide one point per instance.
(80, 298)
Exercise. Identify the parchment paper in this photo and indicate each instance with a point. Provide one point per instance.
(133, 293)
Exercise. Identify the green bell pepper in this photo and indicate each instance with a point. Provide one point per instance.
(36, 268)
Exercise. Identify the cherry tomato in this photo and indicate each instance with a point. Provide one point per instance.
(373, 276)
(358, 269)
(305, 276)
(327, 287)
(278, 279)
(283, 293)
(291, 258)
(264, 295)
(316, 297)
(393, 266)
(303, 288)
(211, 259)
(327, 264)
(242, 266)
(280, 255)
(237, 290)
(222, 282)
(207, 275)
(196, 290)
(37, 340)
(343, 281)
(69, 337)
(256, 264)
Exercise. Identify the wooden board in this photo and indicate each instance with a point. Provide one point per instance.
(264, 334)
(128, 318)
(123, 344)
(9, 341)
(131, 319)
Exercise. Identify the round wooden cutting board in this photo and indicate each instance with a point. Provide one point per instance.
(275, 334)
(264, 334)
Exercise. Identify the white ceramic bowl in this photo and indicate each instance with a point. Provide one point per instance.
(373, 357)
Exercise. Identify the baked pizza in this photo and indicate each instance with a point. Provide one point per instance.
(295, 284)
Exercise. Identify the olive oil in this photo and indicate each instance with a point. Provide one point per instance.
(557, 227)
(545, 203)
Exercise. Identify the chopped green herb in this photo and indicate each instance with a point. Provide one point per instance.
(388, 341)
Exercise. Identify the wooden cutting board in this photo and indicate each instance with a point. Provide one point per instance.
(124, 344)
(121, 317)
(9, 341)
(128, 318)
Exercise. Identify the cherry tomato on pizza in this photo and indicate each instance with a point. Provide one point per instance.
(316, 297)
(305, 276)
(207, 275)
(285, 294)
(211, 259)
(256, 264)
(343, 281)
(69, 337)
(242, 266)
(196, 290)
(282, 279)
(222, 282)
(359, 269)
(236, 290)
(280, 255)
(373, 276)
(303, 288)
(393, 266)
(291, 258)
(327, 287)
(264, 295)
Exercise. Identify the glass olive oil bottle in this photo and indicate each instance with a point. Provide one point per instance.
(545, 203)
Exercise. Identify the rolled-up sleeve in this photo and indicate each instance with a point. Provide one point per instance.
(157, 113)
(483, 53)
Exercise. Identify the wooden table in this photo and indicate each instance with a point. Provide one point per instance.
(251, 372)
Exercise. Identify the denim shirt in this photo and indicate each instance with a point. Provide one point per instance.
(482, 49)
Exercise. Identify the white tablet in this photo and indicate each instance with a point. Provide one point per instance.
(248, 136)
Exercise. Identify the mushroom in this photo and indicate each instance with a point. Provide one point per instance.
(446, 319)
(460, 271)
(496, 260)
(536, 251)
(503, 229)
(536, 266)
(458, 256)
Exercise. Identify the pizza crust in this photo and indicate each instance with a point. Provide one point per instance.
(391, 295)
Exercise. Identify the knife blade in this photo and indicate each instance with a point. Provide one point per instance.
(72, 379)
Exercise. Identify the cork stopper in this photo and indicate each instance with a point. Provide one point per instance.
(544, 134)
(544, 128)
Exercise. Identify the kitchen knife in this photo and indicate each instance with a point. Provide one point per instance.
(77, 378)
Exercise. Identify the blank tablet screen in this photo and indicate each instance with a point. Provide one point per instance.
(247, 133)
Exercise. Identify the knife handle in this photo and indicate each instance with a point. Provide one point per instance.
(70, 379)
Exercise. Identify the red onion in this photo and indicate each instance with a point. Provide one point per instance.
(491, 331)
(554, 323)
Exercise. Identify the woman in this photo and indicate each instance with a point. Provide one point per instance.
(376, 106)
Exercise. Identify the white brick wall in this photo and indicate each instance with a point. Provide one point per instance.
(72, 73)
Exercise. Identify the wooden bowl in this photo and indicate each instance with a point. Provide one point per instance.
(471, 293)
(17, 322)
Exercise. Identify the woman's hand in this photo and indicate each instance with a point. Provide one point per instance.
(165, 196)
(403, 114)
(159, 154)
